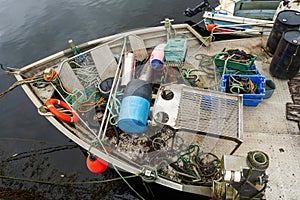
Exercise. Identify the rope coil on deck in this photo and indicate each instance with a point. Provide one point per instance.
(148, 174)
(258, 160)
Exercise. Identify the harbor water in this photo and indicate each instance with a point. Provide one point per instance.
(30, 147)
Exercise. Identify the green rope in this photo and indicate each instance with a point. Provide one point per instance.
(192, 162)
(186, 156)
(116, 104)
(151, 177)
(241, 87)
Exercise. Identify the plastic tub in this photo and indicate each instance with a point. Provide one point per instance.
(220, 62)
(248, 99)
(270, 87)
(251, 71)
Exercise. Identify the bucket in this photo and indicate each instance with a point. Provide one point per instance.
(286, 20)
(135, 107)
(134, 114)
(270, 87)
(286, 59)
(105, 87)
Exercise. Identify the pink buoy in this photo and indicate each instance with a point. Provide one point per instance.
(95, 164)
(157, 57)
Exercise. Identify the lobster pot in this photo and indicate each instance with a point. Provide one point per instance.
(286, 20)
(285, 63)
(135, 107)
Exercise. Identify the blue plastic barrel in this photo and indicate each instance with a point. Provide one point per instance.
(135, 107)
(134, 114)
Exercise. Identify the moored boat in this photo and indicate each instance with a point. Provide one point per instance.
(158, 111)
(243, 17)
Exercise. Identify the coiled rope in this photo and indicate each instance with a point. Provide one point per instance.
(191, 163)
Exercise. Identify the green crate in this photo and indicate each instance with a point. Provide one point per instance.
(175, 50)
(219, 62)
(251, 71)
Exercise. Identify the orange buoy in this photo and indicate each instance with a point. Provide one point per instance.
(50, 105)
(210, 26)
(95, 164)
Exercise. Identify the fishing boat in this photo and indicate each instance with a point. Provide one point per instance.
(150, 102)
(242, 17)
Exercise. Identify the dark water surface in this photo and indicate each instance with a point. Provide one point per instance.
(29, 146)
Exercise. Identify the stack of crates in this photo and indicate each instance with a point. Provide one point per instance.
(242, 70)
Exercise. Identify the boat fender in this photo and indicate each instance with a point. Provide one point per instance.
(157, 57)
(96, 164)
(105, 87)
(210, 27)
(50, 105)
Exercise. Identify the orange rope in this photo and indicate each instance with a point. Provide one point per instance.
(251, 87)
(17, 83)
(92, 105)
(50, 77)
(84, 103)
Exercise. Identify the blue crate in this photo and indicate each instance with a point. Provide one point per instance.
(249, 99)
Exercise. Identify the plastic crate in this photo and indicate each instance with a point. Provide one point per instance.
(248, 99)
(219, 62)
(175, 50)
(251, 71)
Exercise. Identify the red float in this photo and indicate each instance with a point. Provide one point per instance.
(95, 164)
(210, 27)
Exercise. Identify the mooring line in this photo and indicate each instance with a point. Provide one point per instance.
(66, 183)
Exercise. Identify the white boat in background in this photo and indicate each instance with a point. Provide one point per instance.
(244, 17)
(161, 114)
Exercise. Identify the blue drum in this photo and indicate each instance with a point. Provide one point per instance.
(135, 107)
